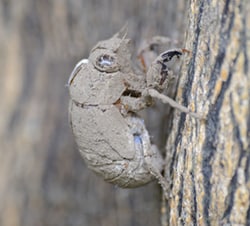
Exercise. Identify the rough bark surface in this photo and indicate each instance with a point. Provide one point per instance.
(43, 180)
(209, 161)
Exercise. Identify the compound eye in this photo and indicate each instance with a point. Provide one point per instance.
(106, 62)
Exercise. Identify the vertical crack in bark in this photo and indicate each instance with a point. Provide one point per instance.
(180, 195)
(247, 168)
(213, 116)
(248, 216)
(223, 43)
(208, 150)
(246, 71)
(244, 41)
(187, 89)
(191, 69)
(233, 182)
(194, 206)
(209, 147)
(177, 141)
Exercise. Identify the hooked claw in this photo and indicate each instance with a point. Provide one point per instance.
(168, 55)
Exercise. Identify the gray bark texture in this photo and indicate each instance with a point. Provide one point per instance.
(208, 161)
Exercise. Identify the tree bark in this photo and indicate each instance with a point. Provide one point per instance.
(44, 181)
(208, 161)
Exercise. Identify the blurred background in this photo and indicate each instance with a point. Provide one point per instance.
(43, 180)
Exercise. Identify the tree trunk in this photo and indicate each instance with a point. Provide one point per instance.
(208, 161)
(44, 181)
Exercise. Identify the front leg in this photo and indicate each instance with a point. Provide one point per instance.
(159, 76)
(164, 68)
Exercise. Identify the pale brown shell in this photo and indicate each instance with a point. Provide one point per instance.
(113, 143)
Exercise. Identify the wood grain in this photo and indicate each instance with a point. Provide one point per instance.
(209, 161)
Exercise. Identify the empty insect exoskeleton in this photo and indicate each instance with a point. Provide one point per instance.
(105, 96)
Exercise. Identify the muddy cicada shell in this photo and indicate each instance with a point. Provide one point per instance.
(105, 94)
